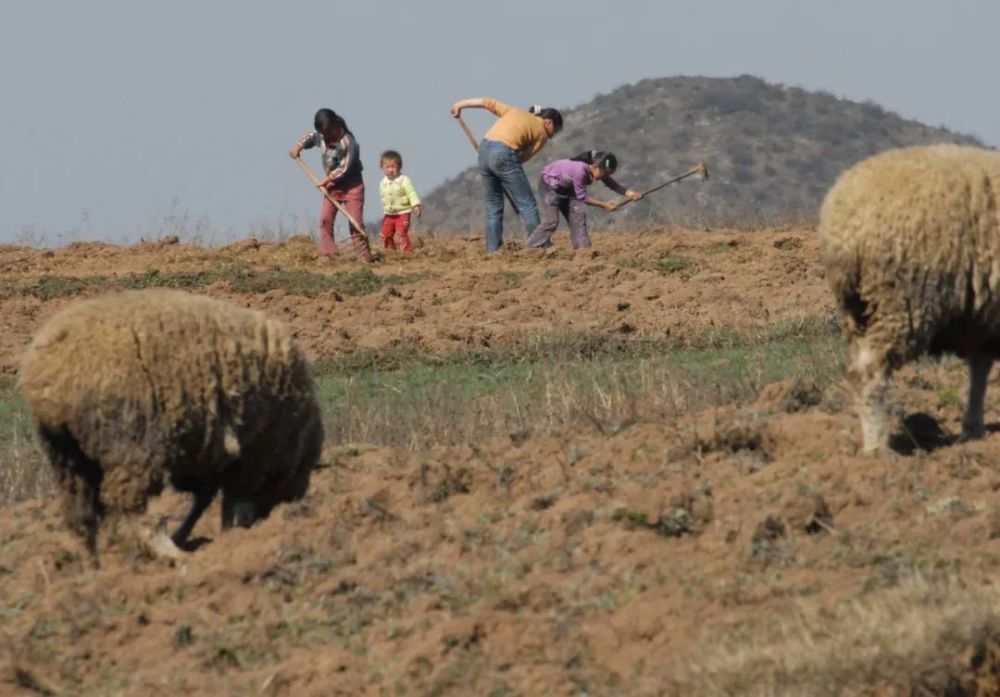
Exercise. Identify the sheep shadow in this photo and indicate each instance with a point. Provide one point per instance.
(921, 432)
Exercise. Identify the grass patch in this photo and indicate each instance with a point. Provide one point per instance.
(239, 278)
(575, 347)
(468, 397)
(52, 287)
(513, 278)
(788, 243)
(721, 247)
(671, 264)
(410, 397)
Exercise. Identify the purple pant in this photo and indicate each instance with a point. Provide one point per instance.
(552, 202)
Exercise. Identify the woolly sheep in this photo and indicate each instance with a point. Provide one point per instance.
(132, 388)
(910, 240)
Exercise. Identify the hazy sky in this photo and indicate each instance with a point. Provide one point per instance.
(116, 115)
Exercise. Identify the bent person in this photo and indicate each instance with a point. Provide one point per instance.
(562, 188)
(514, 139)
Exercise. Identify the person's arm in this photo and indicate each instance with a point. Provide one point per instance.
(411, 194)
(606, 205)
(614, 185)
(619, 189)
(491, 105)
(383, 193)
(309, 141)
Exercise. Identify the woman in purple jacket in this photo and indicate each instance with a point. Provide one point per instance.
(562, 188)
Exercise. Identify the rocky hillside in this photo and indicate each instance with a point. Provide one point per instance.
(772, 151)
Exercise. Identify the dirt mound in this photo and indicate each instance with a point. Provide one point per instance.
(576, 562)
(663, 284)
(680, 554)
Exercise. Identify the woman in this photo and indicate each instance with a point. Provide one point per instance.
(513, 140)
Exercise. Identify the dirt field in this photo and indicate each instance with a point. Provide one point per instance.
(451, 296)
(720, 551)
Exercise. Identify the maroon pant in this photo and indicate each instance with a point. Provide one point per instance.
(392, 224)
(352, 198)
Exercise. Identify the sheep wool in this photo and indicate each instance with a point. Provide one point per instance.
(910, 240)
(133, 389)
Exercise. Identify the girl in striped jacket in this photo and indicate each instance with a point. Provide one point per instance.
(342, 163)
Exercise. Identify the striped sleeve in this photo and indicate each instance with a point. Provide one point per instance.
(310, 140)
(348, 147)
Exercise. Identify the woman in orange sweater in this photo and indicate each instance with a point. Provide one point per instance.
(513, 140)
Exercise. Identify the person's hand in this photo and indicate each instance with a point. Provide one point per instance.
(416, 209)
(608, 206)
(632, 194)
(325, 184)
(456, 110)
(295, 151)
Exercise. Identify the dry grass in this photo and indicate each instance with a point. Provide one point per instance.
(468, 402)
(920, 638)
(24, 474)
(587, 382)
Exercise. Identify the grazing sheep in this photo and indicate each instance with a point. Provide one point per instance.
(910, 240)
(132, 388)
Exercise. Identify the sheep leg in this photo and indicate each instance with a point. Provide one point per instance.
(80, 480)
(870, 373)
(202, 499)
(237, 511)
(973, 424)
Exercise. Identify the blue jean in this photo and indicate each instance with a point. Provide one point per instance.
(500, 168)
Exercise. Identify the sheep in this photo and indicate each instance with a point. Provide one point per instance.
(129, 389)
(910, 241)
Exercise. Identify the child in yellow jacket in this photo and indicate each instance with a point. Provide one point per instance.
(399, 199)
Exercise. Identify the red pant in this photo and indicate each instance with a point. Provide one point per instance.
(391, 224)
(353, 201)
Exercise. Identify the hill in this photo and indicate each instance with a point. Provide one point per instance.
(772, 151)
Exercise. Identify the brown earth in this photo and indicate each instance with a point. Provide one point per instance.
(740, 281)
(607, 559)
